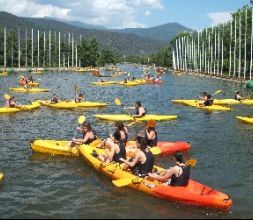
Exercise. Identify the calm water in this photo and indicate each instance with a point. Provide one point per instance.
(47, 186)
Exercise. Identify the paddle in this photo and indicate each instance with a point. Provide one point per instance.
(118, 102)
(75, 89)
(80, 120)
(126, 181)
(217, 92)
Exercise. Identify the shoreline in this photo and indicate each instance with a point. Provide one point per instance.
(231, 79)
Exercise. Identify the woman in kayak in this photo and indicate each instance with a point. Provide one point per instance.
(206, 99)
(80, 98)
(88, 135)
(177, 175)
(140, 110)
(11, 103)
(54, 99)
(123, 131)
(151, 134)
(238, 97)
(143, 162)
(115, 149)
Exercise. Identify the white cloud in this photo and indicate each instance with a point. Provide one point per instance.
(109, 13)
(30, 8)
(147, 13)
(220, 17)
(157, 4)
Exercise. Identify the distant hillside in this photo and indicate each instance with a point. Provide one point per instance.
(79, 24)
(163, 33)
(122, 43)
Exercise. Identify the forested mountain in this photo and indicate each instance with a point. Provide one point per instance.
(124, 44)
(164, 33)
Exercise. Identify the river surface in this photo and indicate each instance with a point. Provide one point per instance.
(47, 186)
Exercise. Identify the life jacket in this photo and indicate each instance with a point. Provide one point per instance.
(121, 154)
(183, 179)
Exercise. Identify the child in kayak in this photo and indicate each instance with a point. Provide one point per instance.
(115, 149)
(88, 135)
(143, 162)
(177, 175)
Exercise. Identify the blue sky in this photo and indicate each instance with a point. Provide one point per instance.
(195, 14)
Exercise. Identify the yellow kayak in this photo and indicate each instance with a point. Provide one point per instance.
(245, 119)
(62, 147)
(28, 90)
(195, 103)
(34, 105)
(1, 177)
(103, 83)
(38, 72)
(194, 193)
(221, 101)
(129, 118)
(72, 104)
(132, 83)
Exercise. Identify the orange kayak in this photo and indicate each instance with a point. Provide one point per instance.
(194, 193)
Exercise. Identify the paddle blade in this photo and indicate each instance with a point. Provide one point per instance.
(81, 119)
(122, 182)
(6, 96)
(117, 101)
(155, 150)
(151, 124)
(192, 162)
(218, 92)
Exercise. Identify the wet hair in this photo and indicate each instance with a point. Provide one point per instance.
(179, 157)
(138, 103)
(120, 125)
(237, 92)
(204, 93)
(142, 142)
(81, 95)
(117, 135)
(86, 125)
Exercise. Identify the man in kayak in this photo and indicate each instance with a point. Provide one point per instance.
(140, 111)
(177, 175)
(88, 135)
(115, 149)
(143, 162)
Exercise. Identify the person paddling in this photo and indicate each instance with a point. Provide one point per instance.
(140, 111)
(89, 135)
(79, 98)
(143, 162)
(12, 103)
(177, 175)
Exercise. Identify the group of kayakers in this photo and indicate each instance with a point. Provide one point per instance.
(142, 164)
(207, 99)
(55, 99)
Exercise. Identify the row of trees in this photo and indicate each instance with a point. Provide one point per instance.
(222, 50)
(20, 48)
